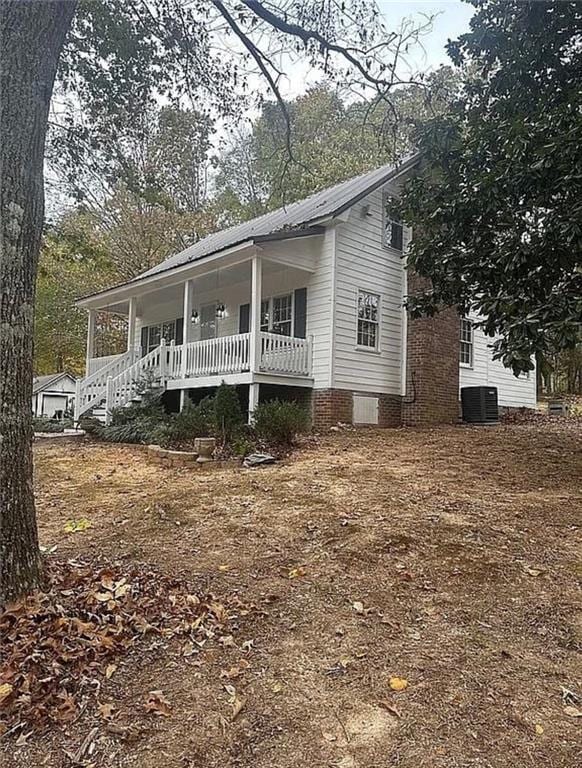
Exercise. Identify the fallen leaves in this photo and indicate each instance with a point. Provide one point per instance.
(236, 671)
(5, 691)
(398, 683)
(157, 704)
(107, 710)
(572, 711)
(55, 647)
(389, 707)
(533, 571)
(76, 526)
(235, 701)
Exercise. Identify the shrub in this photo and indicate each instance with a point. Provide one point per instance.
(136, 431)
(193, 421)
(243, 445)
(46, 424)
(228, 416)
(279, 422)
(90, 424)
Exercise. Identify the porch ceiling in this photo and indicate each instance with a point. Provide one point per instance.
(217, 279)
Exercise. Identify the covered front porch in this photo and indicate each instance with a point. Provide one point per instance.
(242, 320)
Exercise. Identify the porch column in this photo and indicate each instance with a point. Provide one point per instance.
(253, 400)
(255, 319)
(187, 325)
(131, 318)
(90, 339)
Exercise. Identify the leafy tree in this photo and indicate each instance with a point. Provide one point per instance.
(72, 259)
(158, 155)
(331, 140)
(497, 210)
(113, 58)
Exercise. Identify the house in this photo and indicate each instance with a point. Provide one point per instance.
(53, 395)
(303, 302)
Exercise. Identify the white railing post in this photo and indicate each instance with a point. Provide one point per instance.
(77, 414)
(108, 399)
(172, 360)
(309, 361)
(163, 360)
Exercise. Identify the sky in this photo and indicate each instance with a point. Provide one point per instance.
(450, 19)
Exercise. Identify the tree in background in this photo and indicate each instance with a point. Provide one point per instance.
(332, 139)
(115, 58)
(497, 211)
(72, 261)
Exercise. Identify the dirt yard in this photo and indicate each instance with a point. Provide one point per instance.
(450, 558)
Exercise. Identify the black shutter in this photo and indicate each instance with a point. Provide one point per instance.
(144, 340)
(300, 306)
(244, 318)
(179, 335)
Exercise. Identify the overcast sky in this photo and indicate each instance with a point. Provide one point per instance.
(452, 20)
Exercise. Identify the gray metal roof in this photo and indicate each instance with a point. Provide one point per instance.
(293, 218)
(43, 382)
(328, 202)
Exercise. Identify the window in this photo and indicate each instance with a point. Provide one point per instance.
(265, 314)
(283, 314)
(155, 333)
(154, 336)
(393, 229)
(368, 319)
(466, 349)
(277, 315)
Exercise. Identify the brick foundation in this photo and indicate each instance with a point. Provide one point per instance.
(432, 376)
(330, 406)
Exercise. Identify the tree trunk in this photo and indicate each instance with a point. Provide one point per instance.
(31, 39)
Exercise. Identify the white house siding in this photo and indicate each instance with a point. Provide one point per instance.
(314, 253)
(512, 392)
(363, 263)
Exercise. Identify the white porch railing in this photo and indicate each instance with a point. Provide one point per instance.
(211, 357)
(96, 363)
(117, 383)
(90, 391)
(150, 370)
(285, 354)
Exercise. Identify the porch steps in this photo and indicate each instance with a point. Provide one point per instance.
(100, 412)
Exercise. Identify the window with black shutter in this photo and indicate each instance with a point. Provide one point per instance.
(393, 228)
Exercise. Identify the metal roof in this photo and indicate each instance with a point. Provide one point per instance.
(293, 218)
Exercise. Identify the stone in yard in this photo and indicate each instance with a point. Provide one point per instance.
(258, 459)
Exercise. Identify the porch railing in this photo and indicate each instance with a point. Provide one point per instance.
(90, 391)
(121, 380)
(285, 354)
(211, 357)
(96, 363)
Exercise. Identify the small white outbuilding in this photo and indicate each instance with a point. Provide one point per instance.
(53, 395)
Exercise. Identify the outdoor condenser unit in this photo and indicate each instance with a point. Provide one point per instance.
(480, 405)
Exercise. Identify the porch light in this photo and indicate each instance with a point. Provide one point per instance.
(195, 317)
(220, 310)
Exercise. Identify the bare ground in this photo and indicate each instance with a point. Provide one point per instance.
(459, 547)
